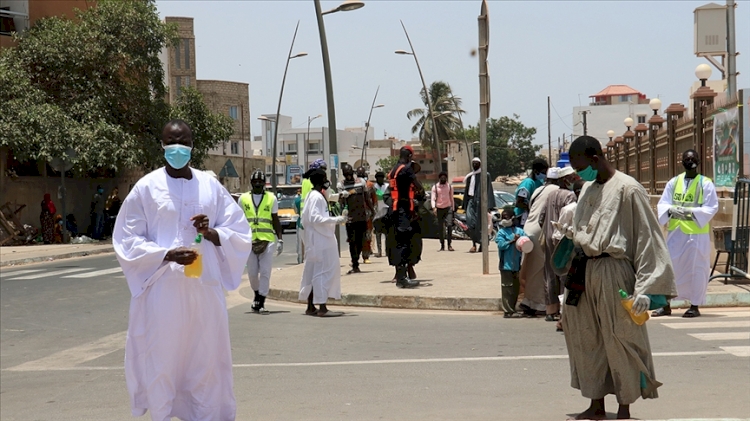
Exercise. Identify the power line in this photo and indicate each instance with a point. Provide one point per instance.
(561, 119)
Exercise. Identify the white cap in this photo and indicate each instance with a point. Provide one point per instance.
(476, 160)
(553, 173)
(566, 171)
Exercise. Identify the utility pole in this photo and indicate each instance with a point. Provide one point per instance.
(549, 132)
(731, 52)
(585, 128)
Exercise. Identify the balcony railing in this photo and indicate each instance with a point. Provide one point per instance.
(12, 22)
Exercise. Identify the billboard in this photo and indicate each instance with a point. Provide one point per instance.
(745, 130)
(293, 174)
(726, 148)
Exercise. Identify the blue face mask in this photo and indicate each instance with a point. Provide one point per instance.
(177, 155)
(541, 177)
(589, 174)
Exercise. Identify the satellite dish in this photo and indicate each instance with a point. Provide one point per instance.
(65, 163)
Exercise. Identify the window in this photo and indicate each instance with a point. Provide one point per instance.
(291, 147)
(314, 147)
(187, 53)
(187, 81)
(235, 148)
(177, 58)
(624, 98)
(233, 112)
(177, 81)
(641, 119)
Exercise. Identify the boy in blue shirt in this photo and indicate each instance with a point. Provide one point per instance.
(510, 261)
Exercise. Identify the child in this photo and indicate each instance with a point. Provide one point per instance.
(510, 261)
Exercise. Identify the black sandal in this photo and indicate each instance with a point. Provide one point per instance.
(663, 311)
(692, 312)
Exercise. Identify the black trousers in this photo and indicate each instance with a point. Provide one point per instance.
(355, 233)
(445, 222)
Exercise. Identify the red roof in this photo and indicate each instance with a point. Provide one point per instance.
(616, 90)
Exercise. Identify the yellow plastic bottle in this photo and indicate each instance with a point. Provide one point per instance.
(195, 269)
(627, 302)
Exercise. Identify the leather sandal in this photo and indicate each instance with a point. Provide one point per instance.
(663, 311)
(693, 312)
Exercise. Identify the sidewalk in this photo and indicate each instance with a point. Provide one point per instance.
(21, 255)
(449, 281)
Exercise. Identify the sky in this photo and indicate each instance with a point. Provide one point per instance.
(566, 50)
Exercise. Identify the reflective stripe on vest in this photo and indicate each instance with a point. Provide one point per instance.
(394, 188)
(260, 219)
(692, 198)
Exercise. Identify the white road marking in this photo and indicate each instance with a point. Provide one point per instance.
(94, 273)
(737, 351)
(28, 367)
(70, 358)
(721, 336)
(707, 325)
(18, 272)
(705, 312)
(47, 274)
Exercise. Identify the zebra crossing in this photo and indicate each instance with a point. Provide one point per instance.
(730, 329)
(67, 273)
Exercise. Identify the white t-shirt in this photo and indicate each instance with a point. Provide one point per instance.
(258, 197)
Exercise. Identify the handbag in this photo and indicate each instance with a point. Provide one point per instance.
(260, 246)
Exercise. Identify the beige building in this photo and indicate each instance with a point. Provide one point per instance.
(232, 161)
(20, 15)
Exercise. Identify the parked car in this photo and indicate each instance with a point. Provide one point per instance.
(287, 214)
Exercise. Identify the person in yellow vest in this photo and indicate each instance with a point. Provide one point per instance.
(687, 205)
(262, 212)
(306, 188)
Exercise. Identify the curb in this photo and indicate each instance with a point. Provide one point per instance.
(29, 260)
(740, 299)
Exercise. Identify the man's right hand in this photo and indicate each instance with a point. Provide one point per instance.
(181, 255)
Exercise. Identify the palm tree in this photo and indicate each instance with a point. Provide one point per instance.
(446, 107)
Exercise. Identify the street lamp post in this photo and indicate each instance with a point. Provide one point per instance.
(611, 146)
(654, 124)
(702, 97)
(367, 127)
(332, 144)
(307, 141)
(436, 141)
(278, 110)
(628, 135)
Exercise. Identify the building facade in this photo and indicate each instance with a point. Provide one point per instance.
(607, 111)
(19, 15)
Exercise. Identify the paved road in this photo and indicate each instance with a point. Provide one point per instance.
(63, 329)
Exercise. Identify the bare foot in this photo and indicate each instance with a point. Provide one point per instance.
(592, 414)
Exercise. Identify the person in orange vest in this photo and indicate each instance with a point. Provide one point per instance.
(404, 188)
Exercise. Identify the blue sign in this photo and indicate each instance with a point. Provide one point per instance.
(334, 162)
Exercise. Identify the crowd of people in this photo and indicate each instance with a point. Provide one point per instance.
(592, 230)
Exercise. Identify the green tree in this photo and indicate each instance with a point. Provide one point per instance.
(446, 108)
(509, 145)
(209, 129)
(94, 84)
(386, 164)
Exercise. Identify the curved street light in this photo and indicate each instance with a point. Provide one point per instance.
(289, 57)
(306, 144)
(367, 127)
(332, 143)
(436, 149)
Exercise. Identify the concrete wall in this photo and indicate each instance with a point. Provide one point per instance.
(603, 118)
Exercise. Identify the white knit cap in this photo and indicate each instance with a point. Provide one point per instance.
(565, 171)
(553, 173)
(476, 160)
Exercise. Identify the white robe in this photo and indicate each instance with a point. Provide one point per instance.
(322, 272)
(690, 253)
(178, 360)
(532, 269)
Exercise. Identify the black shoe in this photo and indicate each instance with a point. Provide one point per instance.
(354, 270)
(511, 315)
(402, 280)
(664, 311)
(692, 312)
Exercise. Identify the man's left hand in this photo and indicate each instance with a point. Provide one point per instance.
(641, 303)
(279, 247)
(201, 224)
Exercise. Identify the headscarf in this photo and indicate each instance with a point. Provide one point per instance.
(318, 163)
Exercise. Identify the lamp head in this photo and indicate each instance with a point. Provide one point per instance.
(379, 106)
(655, 104)
(610, 134)
(628, 122)
(703, 71)
(403, 52)
(302, 54)
(349, 5)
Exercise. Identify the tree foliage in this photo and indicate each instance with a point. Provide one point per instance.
(94, 84)
(446, 108)
(386, 164)
(209, 129)
(509, 145)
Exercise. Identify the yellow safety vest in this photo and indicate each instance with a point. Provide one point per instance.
(259, 219)
(693, 198)
(306, 189)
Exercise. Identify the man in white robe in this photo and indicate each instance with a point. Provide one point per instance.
(321, 276)
(533, 280)
(616, 230)
(687, 205)
(178, 360)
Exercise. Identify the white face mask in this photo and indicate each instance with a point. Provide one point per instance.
(506, 223)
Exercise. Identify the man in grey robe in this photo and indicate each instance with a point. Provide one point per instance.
(617, 230)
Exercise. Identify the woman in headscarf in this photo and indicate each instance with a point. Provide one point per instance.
(46, 218)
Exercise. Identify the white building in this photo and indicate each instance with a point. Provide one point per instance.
(607, 111)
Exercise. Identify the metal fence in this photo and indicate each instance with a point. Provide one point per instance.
(740, 240)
